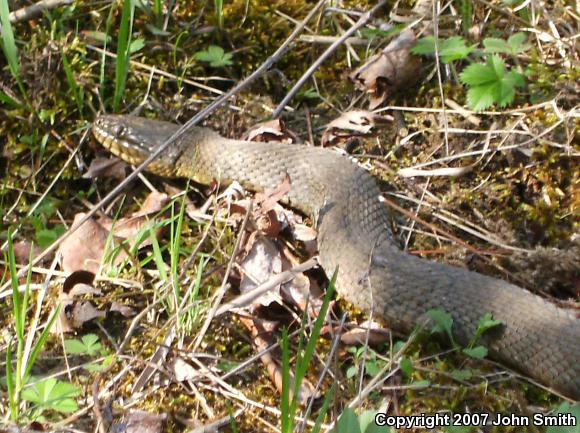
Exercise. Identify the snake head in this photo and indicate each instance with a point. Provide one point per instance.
(134, 139)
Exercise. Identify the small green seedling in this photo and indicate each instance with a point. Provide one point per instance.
(215, 56)
(51, 394)
(490, 83)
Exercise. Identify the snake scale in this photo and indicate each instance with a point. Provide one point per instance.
(536, 338)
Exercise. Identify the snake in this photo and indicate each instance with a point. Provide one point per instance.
(536, 338)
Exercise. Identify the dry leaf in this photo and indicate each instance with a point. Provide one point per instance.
(261, 263)
(77, 277)
(106, 167)
(140, 422)
(267, 200)
(358, 334)
(84, 249)
(344, 130)
(272, 130)
(83, 312)
(124, 310)
(182, 370)
(22, 252)
(389, 70)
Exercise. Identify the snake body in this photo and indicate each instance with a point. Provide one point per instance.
(537, 338)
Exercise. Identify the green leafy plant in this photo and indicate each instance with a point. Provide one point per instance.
(51, 394)
(88, 345)
(490, 83)
(566, 408)
(514, 45)
(367, 356)
(45, 235)
(215, 56)
(9, 45)
(350, 422)
(449, 50)
(442, 322)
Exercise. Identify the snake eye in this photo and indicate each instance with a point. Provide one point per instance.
(119, 130)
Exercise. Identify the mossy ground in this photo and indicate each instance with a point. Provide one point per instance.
(527, 198)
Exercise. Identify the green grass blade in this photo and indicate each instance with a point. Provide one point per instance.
(8, 43)
(40, 343)
(123, 57)
(158, 257)
(324, 409)
(287, 416)
(12, 397)
(303, 360)
(16, 299)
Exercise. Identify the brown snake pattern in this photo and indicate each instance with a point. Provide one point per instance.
(536, 338)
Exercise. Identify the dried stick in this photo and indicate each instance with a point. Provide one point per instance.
(331, 49)
(35, 10)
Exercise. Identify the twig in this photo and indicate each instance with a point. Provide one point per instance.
(179, 133)
(35, 10)
(276, 280)
(331, 49)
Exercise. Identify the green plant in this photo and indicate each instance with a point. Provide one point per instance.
(442, 322)
(488, 83)
(27, 350)
(51, 394)
(372, 363)
(9, 45)
(567, 408)
(514, 45)
(123, 51)
(87, 345)
(44, 234)
(350, 422)
(449, 50)
(291, 386)
(215, 56)
(219, 13)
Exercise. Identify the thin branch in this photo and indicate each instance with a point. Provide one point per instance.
(35, 10)
(331, 49)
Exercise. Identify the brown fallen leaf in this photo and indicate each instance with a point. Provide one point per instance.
(268, 199)
(182, 370)
(262, 261)
(77, 278)
(124, 310)
(107, 167)
(83, 312)
(128, 227)
(272, 130)
(358, 334)
(390, 70)
(349, 126)
(84, 249)
(22, 252)
(138, 421)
